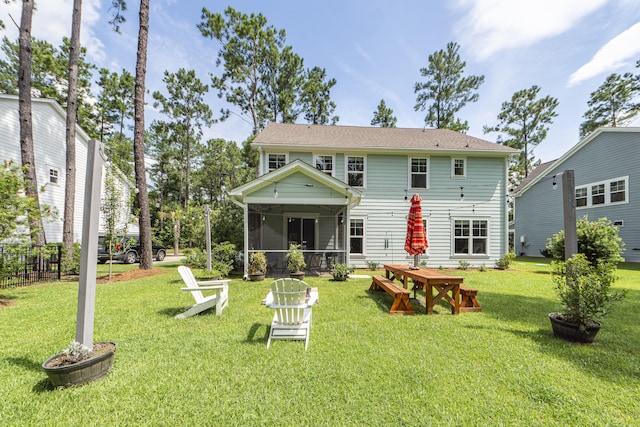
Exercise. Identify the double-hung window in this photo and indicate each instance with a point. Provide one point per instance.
(603, 193)
(325, 164)
(53, 175)
(355, 171)
(276, 161)
(470, 236)
(419, 172)
(458, 168)
(356, 236)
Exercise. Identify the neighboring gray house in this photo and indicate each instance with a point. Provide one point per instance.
(49, 140)
(607, 180)
(342, 193)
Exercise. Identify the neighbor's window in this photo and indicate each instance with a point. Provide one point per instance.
(470, 237)
(459, 167)
(581, 196)
(617, 191)
(325, 164)
(356, 236)
(597, 194)
(419, 173)
(355, 171)
(53, 176)
(277, 161)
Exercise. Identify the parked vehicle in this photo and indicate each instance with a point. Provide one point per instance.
(127, 250)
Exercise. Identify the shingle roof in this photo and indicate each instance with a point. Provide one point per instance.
(355, 137)
(534, 174)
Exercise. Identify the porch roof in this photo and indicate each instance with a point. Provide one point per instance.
(296, 183)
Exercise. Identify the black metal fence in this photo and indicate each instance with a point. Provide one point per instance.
(22, 266)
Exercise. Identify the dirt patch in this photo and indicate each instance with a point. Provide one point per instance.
(134, 274)
(6, 302)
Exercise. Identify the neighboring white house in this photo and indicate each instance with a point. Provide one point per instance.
(607, 185)
(49, 140)
(342, 192)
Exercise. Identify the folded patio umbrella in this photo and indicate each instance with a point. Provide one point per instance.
(416, 241)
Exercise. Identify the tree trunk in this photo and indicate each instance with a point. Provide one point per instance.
(72, 114)
(26, 124)
(146, 262)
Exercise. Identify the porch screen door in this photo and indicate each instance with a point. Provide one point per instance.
(302, 231)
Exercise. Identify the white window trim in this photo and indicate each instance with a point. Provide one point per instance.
(52, 168)
(333, 162)
(409, 173)
(453, 237)
(346, 168)
(364, 237)
(607, 192)
(453, 168)
(286, 160)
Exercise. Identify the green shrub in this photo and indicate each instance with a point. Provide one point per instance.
(72, 265)
(505, 261)
(597, 240)
(222, 258)
(373, 265)
(463, 265)
(341, 271)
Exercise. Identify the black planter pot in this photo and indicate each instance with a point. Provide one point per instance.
(259, 277)
(570, 331)
(82, 372)
(296, 275)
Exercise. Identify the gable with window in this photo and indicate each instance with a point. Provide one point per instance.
(603, 193)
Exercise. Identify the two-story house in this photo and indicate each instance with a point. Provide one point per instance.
(607, 185)
(49, 141)
(343, 193)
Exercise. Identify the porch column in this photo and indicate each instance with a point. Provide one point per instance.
(246, 238)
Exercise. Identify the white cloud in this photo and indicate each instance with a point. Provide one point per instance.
(490, 26)
(619, 51)
(52, 21)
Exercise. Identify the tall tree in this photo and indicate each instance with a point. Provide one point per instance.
(26, 124)
(246, 45)
(187, 112)
(316, 100)
(446, 91)
(525, 119)
(283, 79)
(612, 104)
(383, 116)
(72, 114)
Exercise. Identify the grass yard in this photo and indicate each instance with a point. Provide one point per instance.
(364, 367)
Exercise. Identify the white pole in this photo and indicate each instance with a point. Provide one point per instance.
(89, 253)
(207, 226)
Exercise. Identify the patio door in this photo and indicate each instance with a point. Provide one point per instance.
(302, 231)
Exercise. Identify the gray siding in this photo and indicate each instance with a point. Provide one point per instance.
(610, 155)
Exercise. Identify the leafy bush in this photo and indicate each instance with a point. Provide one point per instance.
(506, 260)
(72, 265)
(222, 258)
(584, 289)
(463, 265)
(341, 271)
(373, 265)
(597, 240)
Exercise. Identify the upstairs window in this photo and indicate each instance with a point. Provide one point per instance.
(355, 171)
(581, 196)
(53, 176)
(617, 191)
(603, 193)
(419, 170)
(459, 168)
(325, 164)
(277, 161)
(597, 194)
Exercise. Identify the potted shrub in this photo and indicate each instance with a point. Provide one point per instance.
(341, 272)
(80, 364)
(585, 292)
(257, 266)
(295, 261)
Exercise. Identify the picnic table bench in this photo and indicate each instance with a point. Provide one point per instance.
(401, 304)
(469, 301)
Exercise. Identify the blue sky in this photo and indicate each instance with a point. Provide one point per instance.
(375, 49)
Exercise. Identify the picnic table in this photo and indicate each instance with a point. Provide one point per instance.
(447, 286)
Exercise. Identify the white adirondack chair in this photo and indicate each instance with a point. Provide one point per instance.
(292, 303)
(219, 299)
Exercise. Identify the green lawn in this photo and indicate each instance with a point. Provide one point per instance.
(364, 367)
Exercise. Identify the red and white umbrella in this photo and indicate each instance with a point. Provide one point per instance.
(416, 241)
